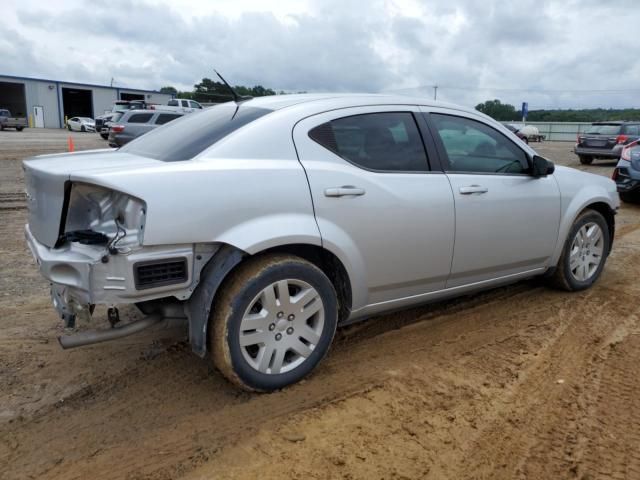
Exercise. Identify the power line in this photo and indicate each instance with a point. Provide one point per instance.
(528, 90)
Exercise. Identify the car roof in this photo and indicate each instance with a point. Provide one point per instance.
(333, 100)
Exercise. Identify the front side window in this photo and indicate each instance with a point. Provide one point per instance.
(193, 104)
(387, 141)
(173, 103)
(633, 130)
(140, 118)
(474, 147)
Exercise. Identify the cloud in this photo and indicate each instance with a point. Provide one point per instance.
(542, 52)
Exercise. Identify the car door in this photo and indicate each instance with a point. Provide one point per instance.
(73, 123)
(377, 205)
(507, 221)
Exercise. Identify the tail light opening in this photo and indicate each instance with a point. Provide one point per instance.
(621, 138)
(117, 128)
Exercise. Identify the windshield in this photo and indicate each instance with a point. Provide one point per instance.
(604, 130)
(186, 137)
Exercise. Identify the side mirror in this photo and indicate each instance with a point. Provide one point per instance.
(541, 167)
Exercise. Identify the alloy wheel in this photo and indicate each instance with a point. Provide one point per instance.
(282, 326)
(586, 252)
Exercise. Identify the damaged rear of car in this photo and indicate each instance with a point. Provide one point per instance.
(132, 226)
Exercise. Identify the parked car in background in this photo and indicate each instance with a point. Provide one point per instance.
(134, 123)
(605, 140)
(7, 121)
(517, 131)
(119, 107)
(81, 124)
(180, 105)
(627, 173)
(264, 224)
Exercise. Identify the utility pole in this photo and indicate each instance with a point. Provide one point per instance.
(435, 92)
(112, 81)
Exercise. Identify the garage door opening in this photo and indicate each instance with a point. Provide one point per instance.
(12, 97)
(131, 96)
(77, 102)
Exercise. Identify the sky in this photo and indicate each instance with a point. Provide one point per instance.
(551, 54)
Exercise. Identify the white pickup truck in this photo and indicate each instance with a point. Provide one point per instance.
(181, 105)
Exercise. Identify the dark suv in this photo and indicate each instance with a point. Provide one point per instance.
(605, 140)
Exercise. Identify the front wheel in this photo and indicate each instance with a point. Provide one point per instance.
(104, 136)
(19, 128)
(584, 254)
(586, 159)
(273, 322)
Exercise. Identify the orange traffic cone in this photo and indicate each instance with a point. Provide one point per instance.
(71, 146)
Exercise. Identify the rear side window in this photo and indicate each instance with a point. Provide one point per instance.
(140, 118)
(165, 118)
(388, 142)
(186, 137)
(173, 103)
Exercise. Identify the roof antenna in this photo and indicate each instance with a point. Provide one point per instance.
(236, 98)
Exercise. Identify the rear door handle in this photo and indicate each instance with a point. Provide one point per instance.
(344, 191)
(468, 190)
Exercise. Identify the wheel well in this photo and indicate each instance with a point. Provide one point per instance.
(608, 214)
(330, 265)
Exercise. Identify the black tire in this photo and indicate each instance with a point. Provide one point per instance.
(562, 277)
(525, 140)
(104, 136)
(69, 127)
(586, 159)
(19, 128)
(82, 129)
(629, 197)
(234, 298)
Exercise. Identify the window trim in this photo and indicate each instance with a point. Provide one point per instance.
(128, 120)
(428, 168)
(444, 156)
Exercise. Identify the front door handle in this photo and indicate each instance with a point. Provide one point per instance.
(344, 191)
(468, 190)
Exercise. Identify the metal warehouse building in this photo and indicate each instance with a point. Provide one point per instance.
(47, 102)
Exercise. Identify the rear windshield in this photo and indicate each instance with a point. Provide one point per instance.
(186, 137)
(604, 130)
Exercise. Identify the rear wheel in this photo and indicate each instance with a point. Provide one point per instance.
(19, 128)
(273, 322)
(584, 254)
(104, 136)
(586, 159)
(69, 127)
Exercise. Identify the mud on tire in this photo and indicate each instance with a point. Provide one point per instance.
(236, 303)
(563, 278)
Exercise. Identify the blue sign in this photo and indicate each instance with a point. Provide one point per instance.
(525, 110)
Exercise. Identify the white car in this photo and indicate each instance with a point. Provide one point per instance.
(81, 124)
(264, 224)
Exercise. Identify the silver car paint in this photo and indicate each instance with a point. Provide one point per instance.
(250, 190)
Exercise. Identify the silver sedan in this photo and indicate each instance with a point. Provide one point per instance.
(265, 224)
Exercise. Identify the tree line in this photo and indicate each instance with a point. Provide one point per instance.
(507, 113)
(211, 91)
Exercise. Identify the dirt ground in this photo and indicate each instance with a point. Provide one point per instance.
(521, 382)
